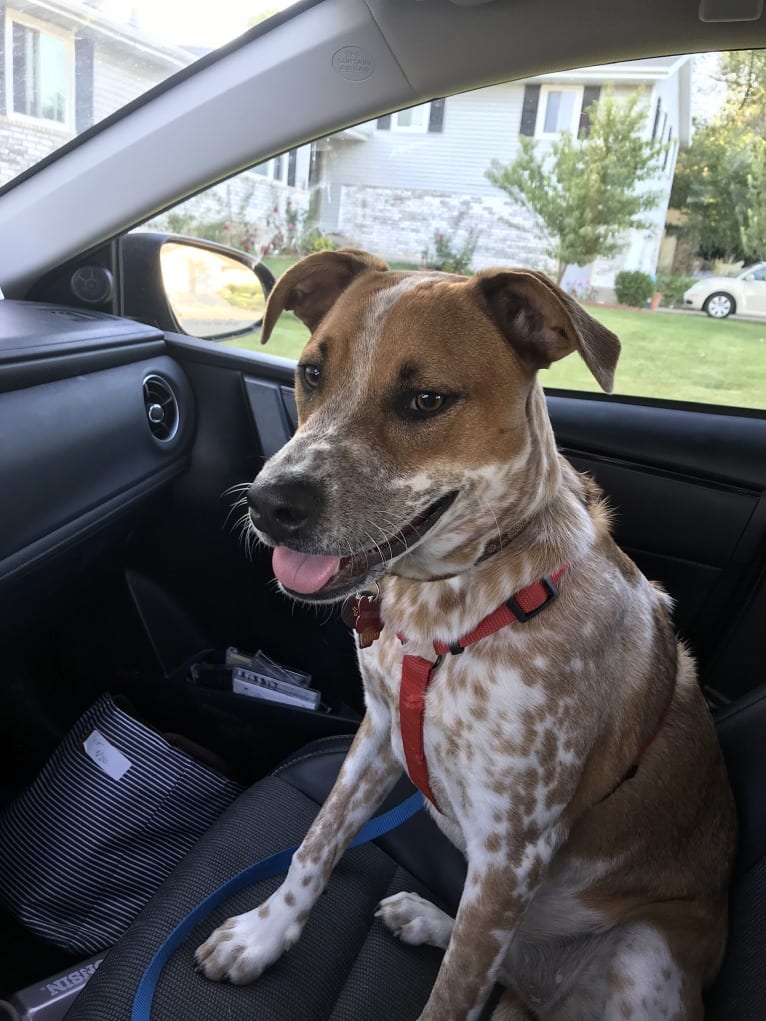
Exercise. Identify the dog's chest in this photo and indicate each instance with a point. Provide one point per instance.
(485, 726)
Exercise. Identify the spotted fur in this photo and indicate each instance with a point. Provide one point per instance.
(590, 898)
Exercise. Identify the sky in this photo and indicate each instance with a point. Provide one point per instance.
(708, 91)
(184, 23)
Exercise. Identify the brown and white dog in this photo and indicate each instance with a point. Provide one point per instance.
(571, 756)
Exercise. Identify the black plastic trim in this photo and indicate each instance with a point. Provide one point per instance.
(208, 352)
(22, 374)
(705, 443)
(85, 524)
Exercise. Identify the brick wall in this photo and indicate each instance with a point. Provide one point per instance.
(400, 225)
(23, 143)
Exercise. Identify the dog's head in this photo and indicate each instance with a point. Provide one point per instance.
(421, 431)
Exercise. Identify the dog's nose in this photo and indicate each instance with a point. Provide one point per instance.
(284, 509)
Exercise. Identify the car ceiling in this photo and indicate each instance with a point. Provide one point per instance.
(278, 88)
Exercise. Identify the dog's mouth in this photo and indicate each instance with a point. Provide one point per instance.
(326, 578)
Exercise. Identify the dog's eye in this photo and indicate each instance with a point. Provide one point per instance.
(426, 402)
(311, 375)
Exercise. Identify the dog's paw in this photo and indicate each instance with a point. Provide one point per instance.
(244, 947)
(415, 920)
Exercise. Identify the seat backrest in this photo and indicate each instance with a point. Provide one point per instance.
(739, 993)
(742, 732)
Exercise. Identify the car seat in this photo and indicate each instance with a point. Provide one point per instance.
(346, 966)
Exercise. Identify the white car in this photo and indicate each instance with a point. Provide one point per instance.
(723, 296)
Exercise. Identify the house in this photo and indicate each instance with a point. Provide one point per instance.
(63, 66)
(395, 182)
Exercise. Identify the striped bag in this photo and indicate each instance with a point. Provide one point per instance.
(113, 811)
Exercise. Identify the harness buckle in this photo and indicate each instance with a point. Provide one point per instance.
(522, 616)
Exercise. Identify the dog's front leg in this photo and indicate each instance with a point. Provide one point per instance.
(499, 887)
(244, 946)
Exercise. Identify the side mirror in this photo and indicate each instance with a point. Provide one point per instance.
(185, 285)
(750, 276)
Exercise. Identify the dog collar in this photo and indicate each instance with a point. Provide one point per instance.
(417, 672)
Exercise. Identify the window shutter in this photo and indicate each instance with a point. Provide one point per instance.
(3, 109)
(292, 160)
(384, 123)
(436, 115)
(83, 100)
(529, 110)
(23, 89)
(590, 94)
(315, 166)
(667, 151)
(656, 120)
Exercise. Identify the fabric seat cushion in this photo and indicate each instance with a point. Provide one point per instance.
(342, 966)
(345, 964)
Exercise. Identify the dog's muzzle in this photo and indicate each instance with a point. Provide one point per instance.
(288, 515)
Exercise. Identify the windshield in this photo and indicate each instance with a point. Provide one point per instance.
(68, 64)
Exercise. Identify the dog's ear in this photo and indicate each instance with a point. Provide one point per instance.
(312, 286)
(543, 323)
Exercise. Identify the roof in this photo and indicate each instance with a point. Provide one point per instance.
(644, 70)
(87, 15)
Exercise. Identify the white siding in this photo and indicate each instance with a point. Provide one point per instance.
(119, 77)
(391, 191)
(478, 127)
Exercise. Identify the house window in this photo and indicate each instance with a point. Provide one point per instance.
(559, 110)
(414, 119)
(41, 65)
(280, 168)
(428, 117)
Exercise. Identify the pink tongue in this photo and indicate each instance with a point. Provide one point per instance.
(302, 572)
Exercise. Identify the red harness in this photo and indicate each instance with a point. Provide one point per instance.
(417, 672)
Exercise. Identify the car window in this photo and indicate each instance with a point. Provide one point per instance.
(66, 66)
(638, 187)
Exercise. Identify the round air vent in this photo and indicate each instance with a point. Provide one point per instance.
(161, 408)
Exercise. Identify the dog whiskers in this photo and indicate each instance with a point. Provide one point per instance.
(239, 487)
(237, 505)
(486, 507)
(374, 545)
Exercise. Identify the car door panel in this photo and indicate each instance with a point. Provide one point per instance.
(755, 296)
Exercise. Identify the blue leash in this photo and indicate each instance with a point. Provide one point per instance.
(264, 869)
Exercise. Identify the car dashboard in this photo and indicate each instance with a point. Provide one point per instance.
(95, 418)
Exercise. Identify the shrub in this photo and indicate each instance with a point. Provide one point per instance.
(672, 286)
(248, 296)
(449, 254)
(633, 287)
(293, 232)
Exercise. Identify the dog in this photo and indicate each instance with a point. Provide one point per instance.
(551, 717)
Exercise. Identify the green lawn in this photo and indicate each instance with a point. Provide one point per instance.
(679, 356)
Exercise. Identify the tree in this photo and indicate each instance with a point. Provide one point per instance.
(720, 181)
(586, 192)
(744, 72)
